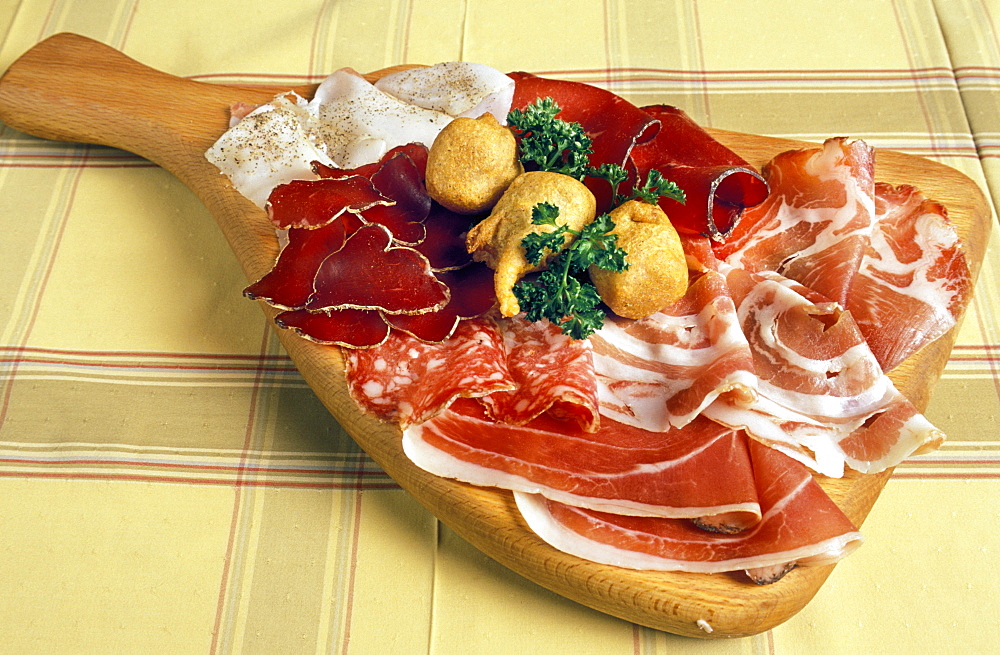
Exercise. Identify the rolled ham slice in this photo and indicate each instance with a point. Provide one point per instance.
(718, 184)
(800, 525)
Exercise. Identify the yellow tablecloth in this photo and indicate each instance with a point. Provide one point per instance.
(169, 484)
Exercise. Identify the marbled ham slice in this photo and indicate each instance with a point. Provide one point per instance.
(554, 373)
(663, 370)
(800, 526)
(914, 282)
(405, 380)
(816, 224)
(817, 381)
(702, 470)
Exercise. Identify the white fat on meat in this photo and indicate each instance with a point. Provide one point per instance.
(349, 123)
(271, 145)
(456, 88)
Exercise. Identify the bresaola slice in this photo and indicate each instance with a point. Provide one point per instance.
(290, 283)
(718, 184)
(314, 203)
(800, 525)
(471, 296)
(369, 272)
(702, 470)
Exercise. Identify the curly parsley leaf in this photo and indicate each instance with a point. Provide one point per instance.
(657, 187)
(548, 143)
(561, 293)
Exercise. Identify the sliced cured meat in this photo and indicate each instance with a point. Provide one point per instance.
(914, 282)
(471, 296)
(368, 272)
(718, 183)
(444, 246)
(553, 372)
(817, 380)
(353, 328)
(663, 370)
(701, 470)
(314, 203)
(613, 124)
(816, 224)
(399, 179)
(800, 525)
(289, 284)
(406, 380)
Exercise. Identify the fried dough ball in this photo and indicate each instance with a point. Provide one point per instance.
(471, 163)
(497, 239)
(657, 273)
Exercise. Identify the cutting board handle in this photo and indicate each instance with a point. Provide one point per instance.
(72, 88)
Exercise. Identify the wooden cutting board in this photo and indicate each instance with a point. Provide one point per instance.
(75, 89)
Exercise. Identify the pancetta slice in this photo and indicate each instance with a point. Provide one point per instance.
(702, 470)
(663, 370)
(800, 525)
(553, 372)
(816, 224)
(818, 383)
(405, 380)
(914, 282)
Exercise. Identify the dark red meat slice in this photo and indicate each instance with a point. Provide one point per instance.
(314, 203)
(353, 328)
(471, 296)
(718, 183)
(370, 273)
(289, 284)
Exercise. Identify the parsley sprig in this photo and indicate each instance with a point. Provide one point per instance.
(560, 293)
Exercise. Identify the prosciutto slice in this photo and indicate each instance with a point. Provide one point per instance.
(914, 281)
(818, 383)
(816, 224)
(800, 525)
(662, 371)
(702, 470)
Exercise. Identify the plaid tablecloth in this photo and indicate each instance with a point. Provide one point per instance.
(169, 484)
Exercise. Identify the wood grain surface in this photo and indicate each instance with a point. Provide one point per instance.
(74, 89)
